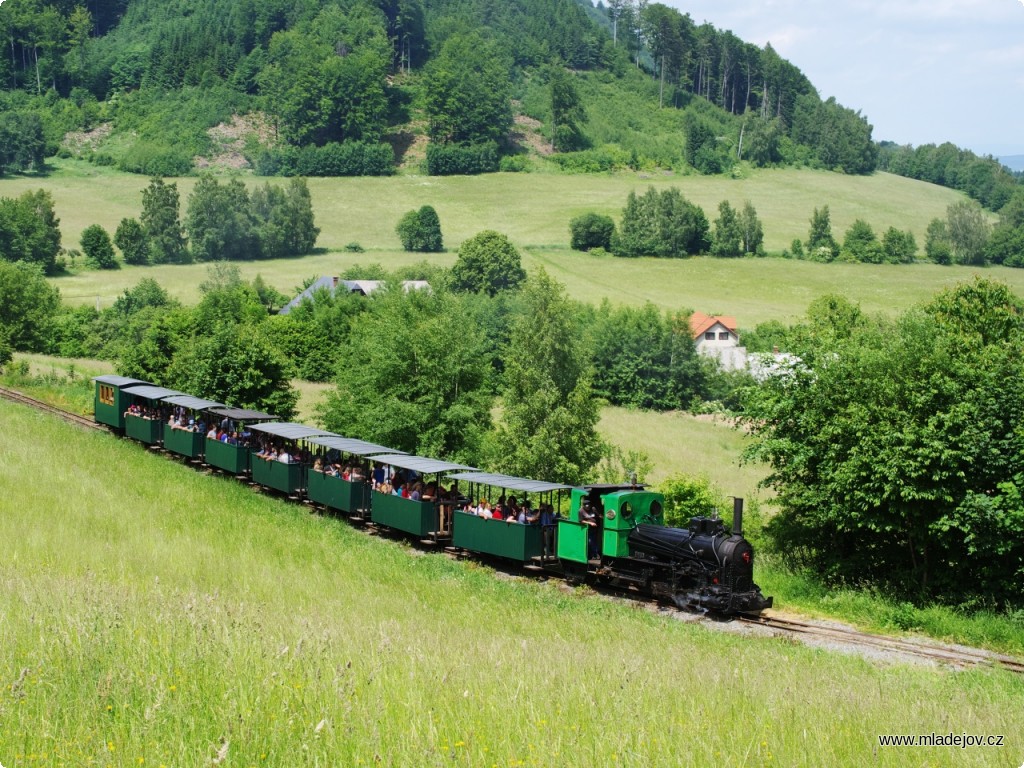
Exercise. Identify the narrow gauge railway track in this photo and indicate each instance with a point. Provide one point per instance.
(68, 416)
(957, 656)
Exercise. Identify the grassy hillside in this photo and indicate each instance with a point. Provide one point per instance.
(534, 210)
(163, 617)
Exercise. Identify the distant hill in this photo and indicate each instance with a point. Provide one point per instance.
(1013, 162)
(370, 87)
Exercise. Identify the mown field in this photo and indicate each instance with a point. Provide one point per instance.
(534, 210)
(152, 615)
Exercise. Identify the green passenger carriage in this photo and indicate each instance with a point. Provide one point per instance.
(147, 426)
(111, 399)
(504, 538)
(290, 477)
(233, 458)
(189, 441)
(349, 496)
(423, 518)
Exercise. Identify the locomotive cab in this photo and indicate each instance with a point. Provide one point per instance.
(617, 510)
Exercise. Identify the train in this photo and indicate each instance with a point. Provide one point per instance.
(607, 534)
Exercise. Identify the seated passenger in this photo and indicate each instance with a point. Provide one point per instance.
(284, 457)
(496, 514)
(212, 435)
(318, 465)
(528, 516)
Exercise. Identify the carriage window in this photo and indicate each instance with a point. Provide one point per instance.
(106, 394)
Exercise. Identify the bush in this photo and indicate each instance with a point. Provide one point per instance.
(458, 159)
(687, 496)
(421, 231)
(514, 164)
(97, 247)
(155, 160)
(593, 160)
(351, 158)
(591, 230)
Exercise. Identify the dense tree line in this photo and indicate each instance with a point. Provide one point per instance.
(983, 179)
(895, 448)
(222, 222)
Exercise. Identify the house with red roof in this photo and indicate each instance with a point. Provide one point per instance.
(715, 336)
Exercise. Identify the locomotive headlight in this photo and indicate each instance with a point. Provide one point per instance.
(746, 557)
(610, 514)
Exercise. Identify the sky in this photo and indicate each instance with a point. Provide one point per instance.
(922, 71)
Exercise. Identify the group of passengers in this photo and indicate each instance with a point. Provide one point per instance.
(332, 466)
(511, 511)
(180, 418)
(234, 437)
(143, 412)
(272, 451)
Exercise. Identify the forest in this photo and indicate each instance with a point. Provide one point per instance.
(346, 87)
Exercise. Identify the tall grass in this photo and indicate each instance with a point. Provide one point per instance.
(153, 615)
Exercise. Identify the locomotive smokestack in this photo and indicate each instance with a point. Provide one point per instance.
(737, 516)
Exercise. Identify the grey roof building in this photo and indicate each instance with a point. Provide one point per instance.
(364, 287)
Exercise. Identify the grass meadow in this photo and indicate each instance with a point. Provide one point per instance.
(156, 616)
(534, 211)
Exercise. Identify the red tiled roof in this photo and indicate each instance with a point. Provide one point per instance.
(699, 323)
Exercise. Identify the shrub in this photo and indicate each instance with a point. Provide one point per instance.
(591, 230)
(155, 160)
(458, 159)
(514, 164)
(421, 231)
(97, 247)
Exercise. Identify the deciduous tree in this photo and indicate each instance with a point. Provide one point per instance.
(548, 428)
(161, 223)
(487, 262)
(421, 230)
(413, 376)
(97, 247)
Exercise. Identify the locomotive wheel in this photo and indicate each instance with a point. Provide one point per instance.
(575, 573)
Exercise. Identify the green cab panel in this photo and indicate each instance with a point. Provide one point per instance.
(109, 405)
(500, 538)
(623, 511)
(110, 401)
(184, 442)
(419, 518)
(287, 478)
(572, 541)
(230, 458)
(335, 493)
(148, 431)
